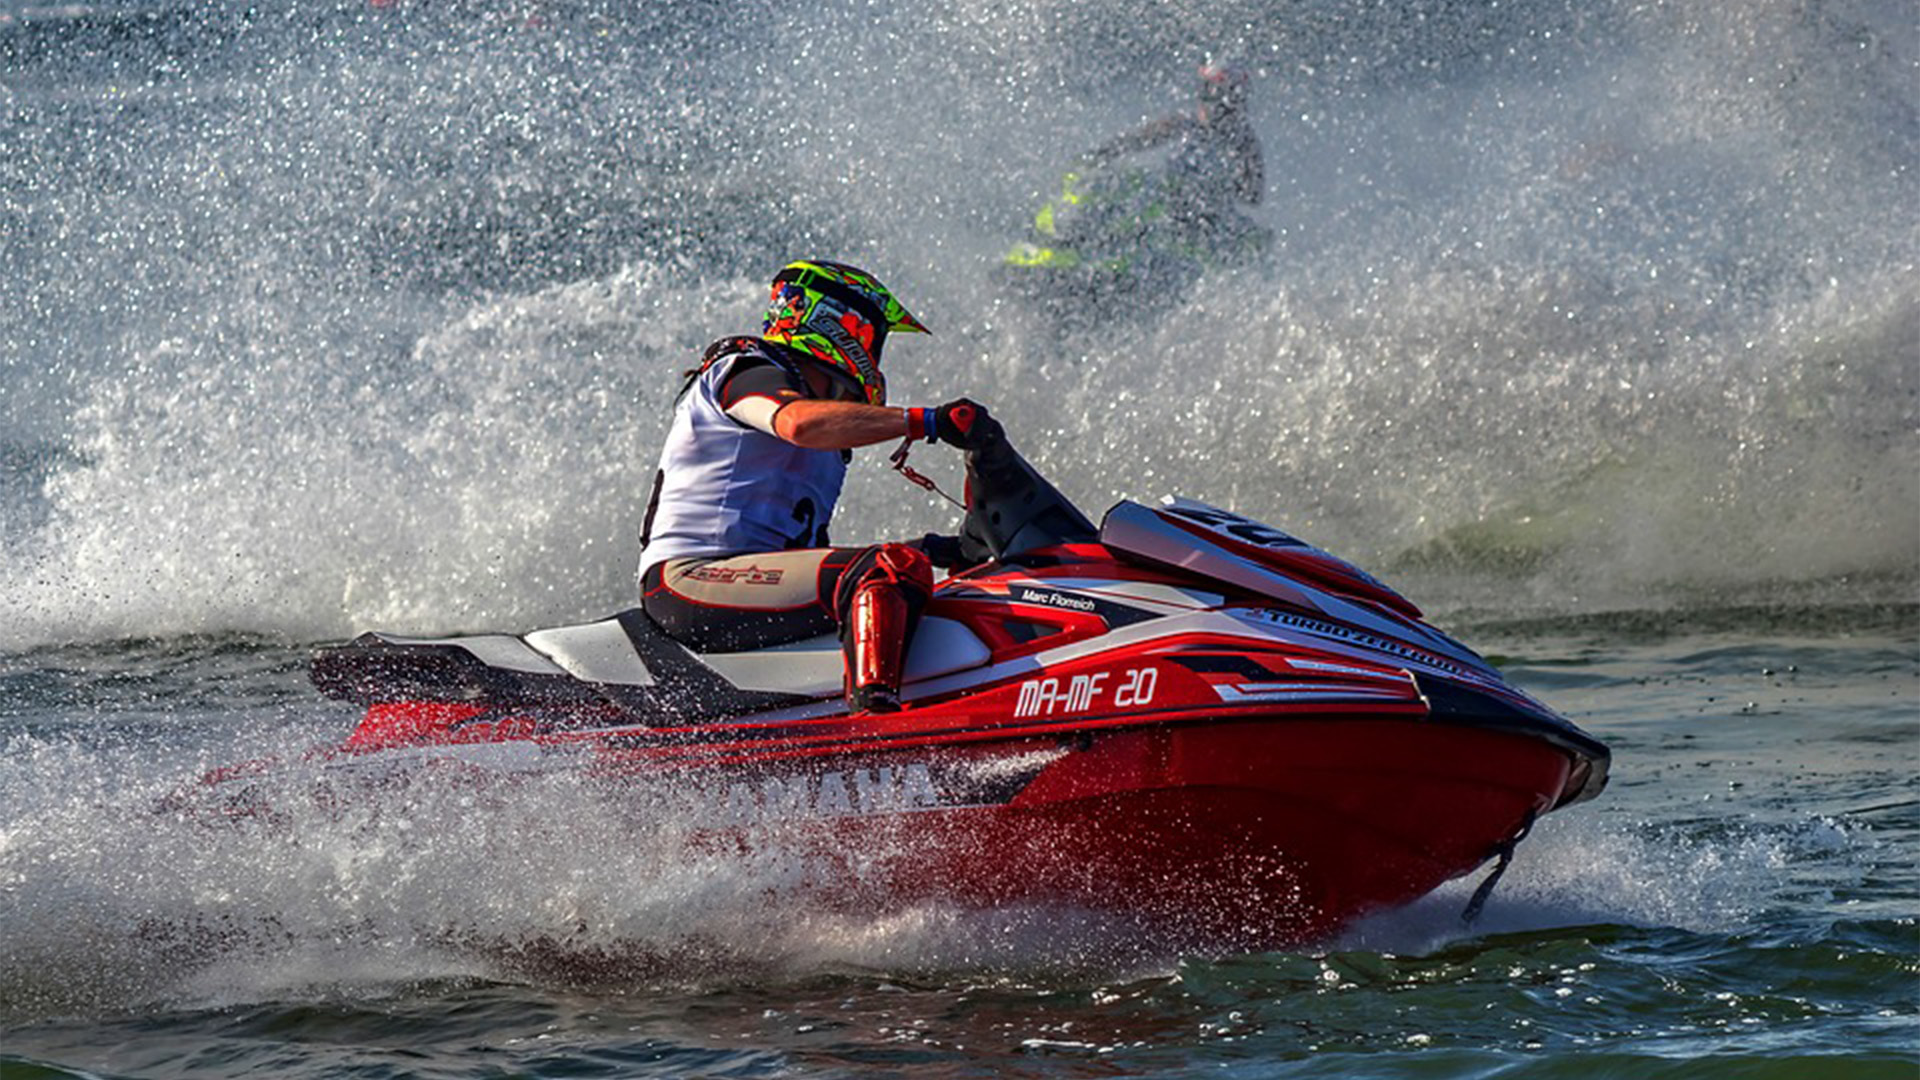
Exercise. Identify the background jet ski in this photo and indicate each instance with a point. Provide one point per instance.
(1145, 214)
(1114, 240)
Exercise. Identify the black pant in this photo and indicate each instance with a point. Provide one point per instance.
(771, 598)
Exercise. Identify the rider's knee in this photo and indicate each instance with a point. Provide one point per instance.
(905, 565)
(902, 566)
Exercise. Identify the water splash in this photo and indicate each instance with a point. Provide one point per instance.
(375, 318)
(121, 889)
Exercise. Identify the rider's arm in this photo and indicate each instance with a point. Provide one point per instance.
(763, 398)
(839, 425)
(1150, 134)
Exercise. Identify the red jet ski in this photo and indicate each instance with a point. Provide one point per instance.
(1180, 717)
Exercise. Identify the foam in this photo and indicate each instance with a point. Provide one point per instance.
(114, 895)
(1597, 869)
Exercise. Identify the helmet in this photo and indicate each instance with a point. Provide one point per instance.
(838, 315)
(1223, 87)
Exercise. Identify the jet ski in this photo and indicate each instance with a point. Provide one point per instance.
(1114, 241)
(1179, 717)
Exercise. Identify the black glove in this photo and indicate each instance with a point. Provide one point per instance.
(943, 551)
(965, 424)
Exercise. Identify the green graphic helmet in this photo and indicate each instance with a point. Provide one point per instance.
(840, 316)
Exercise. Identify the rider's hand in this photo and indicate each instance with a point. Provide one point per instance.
(964, 424)
(943, 551)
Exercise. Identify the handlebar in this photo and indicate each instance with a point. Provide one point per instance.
(1011, 509)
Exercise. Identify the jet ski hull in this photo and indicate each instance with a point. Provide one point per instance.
(1244, 833)
(1245, 828)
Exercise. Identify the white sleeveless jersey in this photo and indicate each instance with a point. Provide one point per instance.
(727, 489)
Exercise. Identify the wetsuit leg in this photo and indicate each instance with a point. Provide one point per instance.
(873, 595)
(746, 601)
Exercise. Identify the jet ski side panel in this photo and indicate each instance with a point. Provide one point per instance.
(1239, 831)
(816, 667)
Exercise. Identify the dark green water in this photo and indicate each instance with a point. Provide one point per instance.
(1740, 903)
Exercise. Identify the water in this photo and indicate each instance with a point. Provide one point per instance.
(1743, 894)
(1591, 326)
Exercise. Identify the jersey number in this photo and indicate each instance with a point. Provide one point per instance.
(810, 534)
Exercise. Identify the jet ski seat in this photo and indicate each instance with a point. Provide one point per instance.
(625, 660)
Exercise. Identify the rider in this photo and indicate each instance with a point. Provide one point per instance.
(1216, 159)
(735, 552)
(1187, 209)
